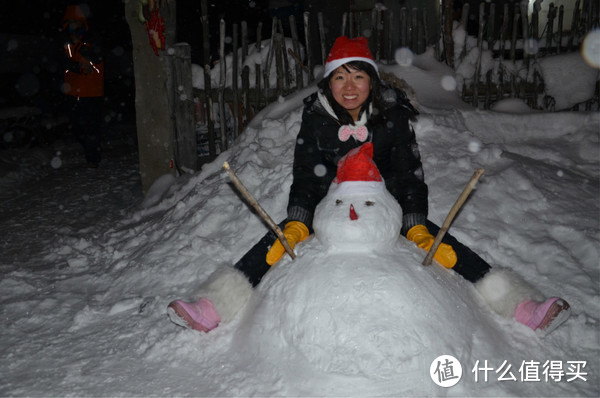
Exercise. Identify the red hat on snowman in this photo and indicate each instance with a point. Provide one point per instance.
(357, 173)
(347, 50)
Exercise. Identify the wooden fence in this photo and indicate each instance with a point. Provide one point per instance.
(224, 110)
(516, 47)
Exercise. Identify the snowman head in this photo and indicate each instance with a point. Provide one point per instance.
(358, 213)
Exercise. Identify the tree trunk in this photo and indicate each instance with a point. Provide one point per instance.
(155, 127)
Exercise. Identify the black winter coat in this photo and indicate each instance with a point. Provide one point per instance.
(395, 153)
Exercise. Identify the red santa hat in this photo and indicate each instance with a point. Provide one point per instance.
(346, 50)
(357, 172)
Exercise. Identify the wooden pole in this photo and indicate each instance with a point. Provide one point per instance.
(245, 76)
(403, 28)
(308, 43)
(207, 83)
(450, 217)
(550, 32)
(298, 66)
(257, 71)
(322, 38)
(234, 83)
(477, 75)
(261, 212)
(447, 9)
(464, 20)
(221, 97)
(561, 15)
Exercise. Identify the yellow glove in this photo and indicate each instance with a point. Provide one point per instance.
(444, 255)
(295, 232)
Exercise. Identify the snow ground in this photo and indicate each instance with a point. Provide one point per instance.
(88, 267)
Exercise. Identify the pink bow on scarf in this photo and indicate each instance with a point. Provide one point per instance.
(360, 133)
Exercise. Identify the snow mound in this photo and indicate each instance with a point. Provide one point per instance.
(572, 68)
(358, 321)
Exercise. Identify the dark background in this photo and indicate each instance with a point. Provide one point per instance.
(31, 45)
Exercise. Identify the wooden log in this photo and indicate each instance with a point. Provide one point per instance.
(535, 17)
(414, 30)
(373, 37)
(207, 83)
(308, 42)
(515, 29)
(212, 147)
(464, 21)
(245, 76)
(234, 82)
(222, 83)
(390, 41)
(183, 107)
(287, 80)
(448, 11)
(322, 38)
(403, 26)
(451, 214)
(270, 53)
(503, 31)
(491, 27)
(425, 31)
(559, 31)
(525, 31)
(258, 90)
(550, 31)
(378, 29)
(571, 44)
(296, 44)
(279, 63)
(477, 74)
(257, 70)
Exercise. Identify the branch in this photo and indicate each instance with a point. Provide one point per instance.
(453, 211)
(261, 212)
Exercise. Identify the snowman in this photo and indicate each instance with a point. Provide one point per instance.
(356, 304)
(358, 213)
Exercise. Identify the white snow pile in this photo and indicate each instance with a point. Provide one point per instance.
(568, 67)
(84, 308)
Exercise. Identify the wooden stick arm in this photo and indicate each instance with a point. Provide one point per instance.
(261, 212)
(451, 214)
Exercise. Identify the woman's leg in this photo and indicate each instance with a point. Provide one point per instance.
(254, 264)
(225, 292)
(505, 291)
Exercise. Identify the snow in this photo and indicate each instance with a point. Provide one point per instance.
(582, 78)
(88, 267)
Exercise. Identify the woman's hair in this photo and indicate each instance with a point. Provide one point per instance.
(375, 96)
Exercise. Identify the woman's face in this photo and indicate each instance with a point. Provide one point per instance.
(350, 88)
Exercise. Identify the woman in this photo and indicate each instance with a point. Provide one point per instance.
(352, 107)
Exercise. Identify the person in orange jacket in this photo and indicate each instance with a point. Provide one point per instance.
(83, 82)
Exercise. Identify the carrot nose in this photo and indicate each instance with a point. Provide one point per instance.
(353, 215)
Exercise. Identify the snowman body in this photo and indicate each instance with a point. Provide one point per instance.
(355, 311)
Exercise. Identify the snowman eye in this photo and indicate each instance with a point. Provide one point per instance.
(338, 202)
(369, 203)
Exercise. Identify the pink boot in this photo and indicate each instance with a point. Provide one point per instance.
(546, 316)
(200, 315)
